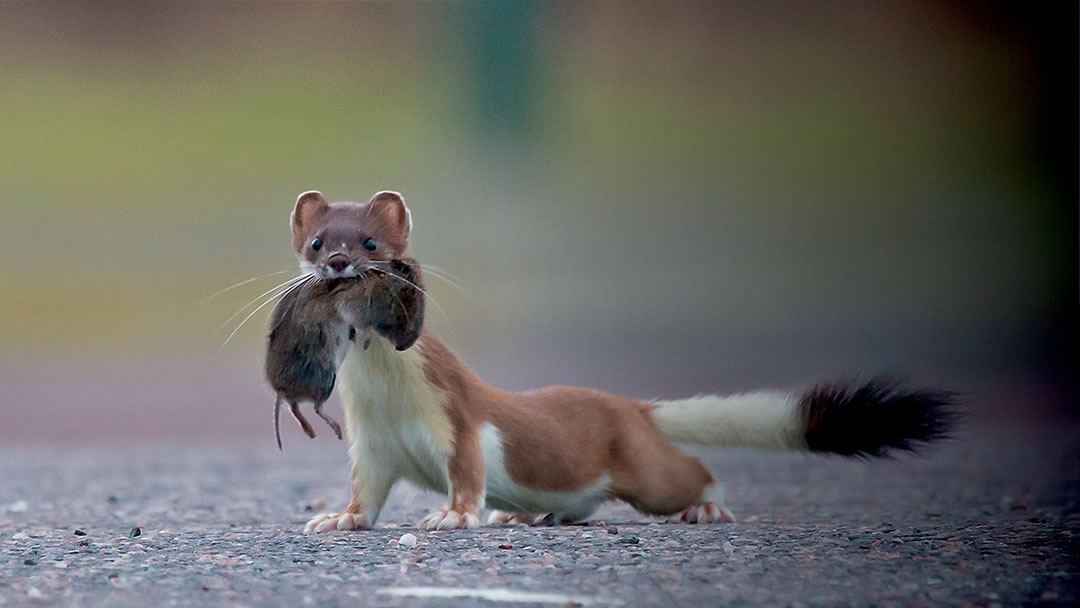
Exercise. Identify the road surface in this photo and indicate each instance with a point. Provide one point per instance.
(991, 518)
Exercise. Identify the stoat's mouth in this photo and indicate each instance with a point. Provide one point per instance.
(362, 275)
(326, 273)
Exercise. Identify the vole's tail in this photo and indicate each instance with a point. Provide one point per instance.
(852, 419)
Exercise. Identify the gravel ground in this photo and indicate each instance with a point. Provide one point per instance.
(990, 519)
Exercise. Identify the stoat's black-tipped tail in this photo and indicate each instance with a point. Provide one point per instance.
(875, 418)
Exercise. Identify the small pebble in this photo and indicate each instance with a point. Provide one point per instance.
(628, 540)
(612, 530)
(20, 536)
(29, 562)
(407, 540)
(60, 565)
(19, 506)
(728, 548)
(506, 546)
(80, 533)
(136, 531)
(35, 594)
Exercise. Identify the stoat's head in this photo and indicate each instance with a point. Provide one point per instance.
(340, 240)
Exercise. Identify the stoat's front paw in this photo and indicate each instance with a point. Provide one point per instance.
(325, 522)
(705, 513)
(448, 519)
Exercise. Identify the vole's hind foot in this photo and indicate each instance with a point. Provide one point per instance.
(326, 522)
(328, 420)
(704, 513)
(304, 424)
(448, 519)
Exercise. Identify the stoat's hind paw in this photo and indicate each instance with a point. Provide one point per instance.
(506, 517)
(326, 522)
(705, 513)
(447, 519)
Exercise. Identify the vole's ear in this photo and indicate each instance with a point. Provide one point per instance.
(390, 206)
(308, 206)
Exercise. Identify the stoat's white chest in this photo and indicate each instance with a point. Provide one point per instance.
(394, 416)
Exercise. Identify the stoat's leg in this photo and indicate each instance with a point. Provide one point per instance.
(370, 486)
(466, 488)
(656, 478)
(326, 417)
(709, 510)
(304, 424)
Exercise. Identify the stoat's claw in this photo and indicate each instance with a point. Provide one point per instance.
(326, 522)
(705, 513)
(448, 519)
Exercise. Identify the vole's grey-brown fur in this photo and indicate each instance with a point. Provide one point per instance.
(312, 326)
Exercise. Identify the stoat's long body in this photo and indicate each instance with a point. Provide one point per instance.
(423, 416)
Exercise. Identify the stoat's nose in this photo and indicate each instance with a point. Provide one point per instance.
(338, 262)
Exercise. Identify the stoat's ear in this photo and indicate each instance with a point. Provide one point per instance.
(308, 206)
(390, 206)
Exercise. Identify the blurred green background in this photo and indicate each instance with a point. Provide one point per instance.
(654, 199)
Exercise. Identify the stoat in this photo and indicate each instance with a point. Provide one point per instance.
(555, 453)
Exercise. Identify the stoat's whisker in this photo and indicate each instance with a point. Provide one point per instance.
(435, 268)
(400, 302)
(448, 279)
(416, 287)
(437, 273)
(303, 285)
(281, 294)
(404, 309)
(261, 296)
(240, 284)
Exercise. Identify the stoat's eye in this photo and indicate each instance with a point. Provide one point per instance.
(316, 244)
(369, 245)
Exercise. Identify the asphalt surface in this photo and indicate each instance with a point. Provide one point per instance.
(991, 518)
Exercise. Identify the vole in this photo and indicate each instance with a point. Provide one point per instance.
(313, 325)
(555, 453)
